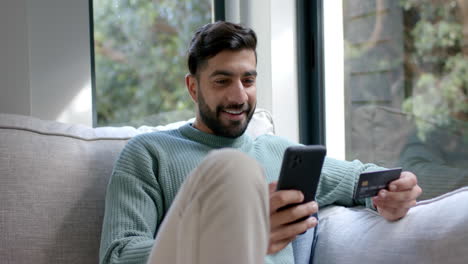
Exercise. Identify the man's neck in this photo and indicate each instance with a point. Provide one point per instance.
(201, 126)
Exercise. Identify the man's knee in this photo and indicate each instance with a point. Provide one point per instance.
(232, 168)
(237, 163)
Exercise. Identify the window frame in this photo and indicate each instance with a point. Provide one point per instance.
(310, 72)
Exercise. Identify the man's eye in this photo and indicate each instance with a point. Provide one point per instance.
(248, 81)
(222, 81)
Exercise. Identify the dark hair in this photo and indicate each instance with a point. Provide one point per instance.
(213, 38)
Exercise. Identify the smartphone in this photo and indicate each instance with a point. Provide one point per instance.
(300, 170)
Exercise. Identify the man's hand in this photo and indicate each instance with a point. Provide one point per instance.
(393, 204)
(281, 231)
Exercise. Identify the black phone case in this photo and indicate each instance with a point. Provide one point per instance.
(301, 170)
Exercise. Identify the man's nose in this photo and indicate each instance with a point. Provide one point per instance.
(237, 93)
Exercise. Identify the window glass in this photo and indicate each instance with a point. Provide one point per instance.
(140, 59)
(406, 86)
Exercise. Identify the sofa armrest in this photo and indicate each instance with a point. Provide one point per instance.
(434, 231)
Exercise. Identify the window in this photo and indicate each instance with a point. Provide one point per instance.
(140, 59)
(396, 81)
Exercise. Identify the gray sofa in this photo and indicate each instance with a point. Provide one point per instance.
(53, 180)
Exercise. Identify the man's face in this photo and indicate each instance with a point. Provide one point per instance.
(225, 93)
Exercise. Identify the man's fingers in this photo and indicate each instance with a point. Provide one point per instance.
(292, 230)
(395, 203)
(392, 214)
(406, 181)
(272, 187)
(392, 204)
(292, 214)
(399, 198)
(281, 198)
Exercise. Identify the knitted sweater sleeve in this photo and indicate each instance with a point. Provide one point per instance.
(133, 207)
(338, 181)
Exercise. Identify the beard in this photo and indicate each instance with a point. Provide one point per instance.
(231, 129)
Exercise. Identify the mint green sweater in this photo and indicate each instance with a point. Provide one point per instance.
(152, 167)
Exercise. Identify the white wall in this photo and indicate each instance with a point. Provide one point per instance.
(334, 79)
(45, 66)
(285, 103)
(60, 71)
(14, 59)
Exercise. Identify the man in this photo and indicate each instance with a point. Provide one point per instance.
(172, 199)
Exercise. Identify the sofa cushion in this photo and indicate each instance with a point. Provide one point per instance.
(434, 231)
(53, 178)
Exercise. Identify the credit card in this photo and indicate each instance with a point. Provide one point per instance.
(370, 183)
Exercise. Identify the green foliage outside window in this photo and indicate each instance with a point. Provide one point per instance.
(140, 59)
(437, 62)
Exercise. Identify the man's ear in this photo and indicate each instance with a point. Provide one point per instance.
(192, 86)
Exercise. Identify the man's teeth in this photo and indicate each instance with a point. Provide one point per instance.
(233, 112)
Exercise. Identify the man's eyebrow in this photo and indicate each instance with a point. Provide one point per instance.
(221, 72)
(229, 73)
(250, 73)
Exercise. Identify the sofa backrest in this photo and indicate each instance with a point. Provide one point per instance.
(53, 179)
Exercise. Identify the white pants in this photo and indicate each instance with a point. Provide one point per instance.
(220, 214)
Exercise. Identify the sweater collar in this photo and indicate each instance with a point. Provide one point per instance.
(212, 140)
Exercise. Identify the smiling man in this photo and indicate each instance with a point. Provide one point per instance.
(225, 93)
(205, 193)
